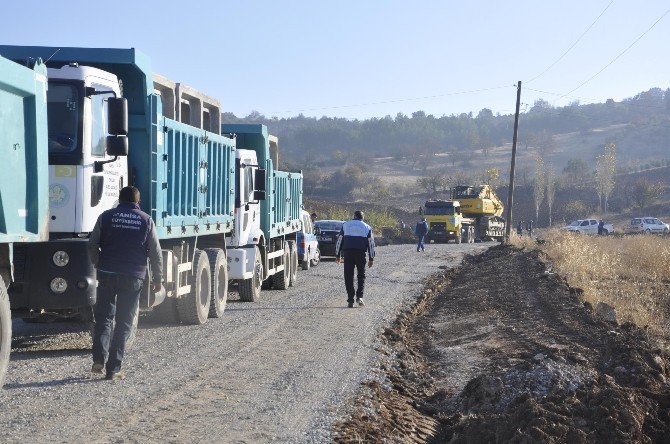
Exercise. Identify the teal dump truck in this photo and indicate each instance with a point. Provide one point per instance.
(263, 246)
(208, 189)
(24, 183)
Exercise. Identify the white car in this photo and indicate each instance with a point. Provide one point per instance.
(647, 225)
(587, 226)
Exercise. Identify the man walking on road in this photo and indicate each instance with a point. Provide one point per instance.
(421, 229)
(118, 246)
(354, 241)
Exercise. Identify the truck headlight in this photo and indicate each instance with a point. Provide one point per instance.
(58, 285)
(61, 258)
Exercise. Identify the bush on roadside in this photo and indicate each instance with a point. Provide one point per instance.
(630, 273)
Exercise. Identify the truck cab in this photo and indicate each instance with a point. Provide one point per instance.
(78, 133)
(445, 221)
(85, 177)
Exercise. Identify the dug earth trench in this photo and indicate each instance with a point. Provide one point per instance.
(503, 350)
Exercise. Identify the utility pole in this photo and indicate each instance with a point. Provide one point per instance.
(510, 190)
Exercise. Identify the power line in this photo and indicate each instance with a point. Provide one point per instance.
(618, 56)
(571, 46)
(561, 94)
(471, 91)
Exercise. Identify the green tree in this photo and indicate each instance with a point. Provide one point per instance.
(643, 192)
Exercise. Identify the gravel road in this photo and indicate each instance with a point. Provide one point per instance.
(277, 370)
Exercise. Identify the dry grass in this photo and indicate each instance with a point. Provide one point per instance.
(632, 273)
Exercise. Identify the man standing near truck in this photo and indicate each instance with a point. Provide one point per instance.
(421, 229)
(119, 245)
(355, 240)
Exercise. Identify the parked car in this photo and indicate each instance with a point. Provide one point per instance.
(327, 232)
(647, 225)
(308, 245)
(587, 226)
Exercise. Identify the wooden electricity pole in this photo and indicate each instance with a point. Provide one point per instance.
(510, 190)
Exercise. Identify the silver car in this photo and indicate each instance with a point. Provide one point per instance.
(647, 225)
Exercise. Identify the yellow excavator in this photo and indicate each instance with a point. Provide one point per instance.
(473, 213)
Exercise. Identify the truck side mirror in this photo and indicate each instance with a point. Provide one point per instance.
(117, 146)
(117, 116)
(259, 181)
(259, 195)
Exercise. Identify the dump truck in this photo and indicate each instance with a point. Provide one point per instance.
(222, 210)
(473, 213)
(24, 184)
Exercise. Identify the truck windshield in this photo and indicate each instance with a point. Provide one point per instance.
(328, 225)
(439, 211)
(63, 108)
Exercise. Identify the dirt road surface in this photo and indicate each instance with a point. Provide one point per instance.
(277, 370)
(503, 350)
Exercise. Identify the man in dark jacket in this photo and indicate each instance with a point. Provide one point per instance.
(421, 229)
(354, 241)
(119, 245)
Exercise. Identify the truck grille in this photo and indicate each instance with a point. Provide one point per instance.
(438, 226)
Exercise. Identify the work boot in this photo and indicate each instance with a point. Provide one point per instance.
(113, 376)
(98, 369)
(360, 302)
(351, 305)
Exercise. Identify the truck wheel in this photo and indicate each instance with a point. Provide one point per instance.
(193, 307)
(294, 263)
(280, 281)
(307, 262)
(250, 289)
(5, 331)
(317, 257)
(219, 268)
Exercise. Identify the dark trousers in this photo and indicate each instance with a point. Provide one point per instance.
(419, 245)
(354, 259)
(118, 297)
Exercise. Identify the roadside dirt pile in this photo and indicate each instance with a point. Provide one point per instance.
(503, 350)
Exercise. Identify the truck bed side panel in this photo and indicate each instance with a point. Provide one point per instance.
(194, 181)
(23, 153)
(286, 202)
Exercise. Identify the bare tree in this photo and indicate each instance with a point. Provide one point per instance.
(550, 187)
(538, 186)
(490, 177)
(605, 175)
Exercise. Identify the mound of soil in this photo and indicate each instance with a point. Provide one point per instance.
(503, 350)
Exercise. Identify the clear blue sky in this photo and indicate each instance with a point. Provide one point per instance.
(319, 58)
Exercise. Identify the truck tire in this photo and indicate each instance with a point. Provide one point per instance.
(280, 281)
(5, 331)
(219, 268)
(307, 263)
(193, 307)
(317, 257)
(250, 289)
(294, 263)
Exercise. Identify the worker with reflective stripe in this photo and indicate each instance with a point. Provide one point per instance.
(355, 240)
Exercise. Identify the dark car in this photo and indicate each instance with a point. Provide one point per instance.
(327, 233)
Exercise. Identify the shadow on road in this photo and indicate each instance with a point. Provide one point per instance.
(54, 383)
